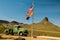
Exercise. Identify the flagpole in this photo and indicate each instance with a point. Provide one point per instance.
(32, 19)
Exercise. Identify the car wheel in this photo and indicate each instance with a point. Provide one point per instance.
(7, 33)
(21, 34)
(25, 34)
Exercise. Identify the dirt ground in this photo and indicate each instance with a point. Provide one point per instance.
(39, 38)
(10, 37)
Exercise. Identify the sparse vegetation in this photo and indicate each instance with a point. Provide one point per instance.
(2, 28)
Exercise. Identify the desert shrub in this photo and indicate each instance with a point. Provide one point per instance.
(2, 28)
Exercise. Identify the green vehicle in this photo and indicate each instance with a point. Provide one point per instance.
(17, 30)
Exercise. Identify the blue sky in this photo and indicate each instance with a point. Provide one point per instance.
(17, 9)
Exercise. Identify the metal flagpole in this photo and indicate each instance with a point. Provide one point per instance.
(32, 19)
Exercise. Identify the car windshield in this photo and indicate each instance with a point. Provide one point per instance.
(19, 26)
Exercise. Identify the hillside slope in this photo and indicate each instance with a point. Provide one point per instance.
(45, 27)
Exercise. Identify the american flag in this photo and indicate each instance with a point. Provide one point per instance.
(30, 13)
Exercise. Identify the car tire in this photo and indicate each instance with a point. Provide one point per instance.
(25, 34)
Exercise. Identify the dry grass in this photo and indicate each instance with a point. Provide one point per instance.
(44, 33)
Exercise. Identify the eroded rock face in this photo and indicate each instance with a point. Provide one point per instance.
(45, 20)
